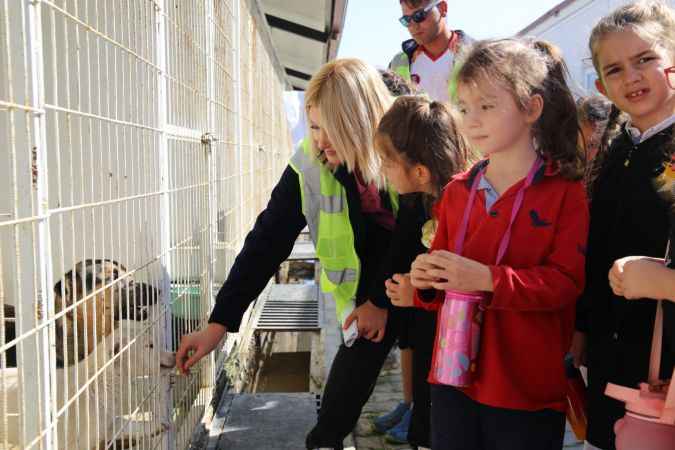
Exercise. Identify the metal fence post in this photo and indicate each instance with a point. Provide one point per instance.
(211, 204)
(45, 296)
(165, 205)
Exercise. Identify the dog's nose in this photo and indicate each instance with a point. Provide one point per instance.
(167, 360)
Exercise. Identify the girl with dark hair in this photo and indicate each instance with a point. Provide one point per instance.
(421, 149)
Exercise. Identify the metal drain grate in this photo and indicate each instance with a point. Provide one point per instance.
(290, 307)
(303, 250)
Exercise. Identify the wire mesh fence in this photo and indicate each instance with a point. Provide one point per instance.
(140, 139)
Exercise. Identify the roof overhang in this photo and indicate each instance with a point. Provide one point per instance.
(305, 33)
(552, 13)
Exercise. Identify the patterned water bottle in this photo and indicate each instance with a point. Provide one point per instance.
(458, 338)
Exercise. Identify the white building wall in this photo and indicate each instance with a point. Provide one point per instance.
(570, 30)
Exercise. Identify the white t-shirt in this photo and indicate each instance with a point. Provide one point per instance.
(432, 75)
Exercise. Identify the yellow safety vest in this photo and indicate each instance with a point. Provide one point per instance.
(324, 205)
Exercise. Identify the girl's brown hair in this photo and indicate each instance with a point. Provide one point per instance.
(653, 21)
(527, 68)
(596, 111)
(417, 130)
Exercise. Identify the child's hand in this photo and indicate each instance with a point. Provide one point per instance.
(400, 290)
(419, 276)
(635, 277)
(200, 343)
(456, 272)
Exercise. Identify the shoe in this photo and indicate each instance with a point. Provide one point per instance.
(383, 423)
(399, 433)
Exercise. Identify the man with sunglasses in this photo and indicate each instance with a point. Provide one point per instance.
(427, 59)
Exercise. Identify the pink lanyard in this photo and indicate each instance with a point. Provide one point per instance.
(459, 240)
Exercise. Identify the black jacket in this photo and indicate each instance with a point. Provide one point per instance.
(628, 218)
(272, 238)
(417, 327)
(406, 244)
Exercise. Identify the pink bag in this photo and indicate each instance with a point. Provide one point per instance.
(649, 423)
(461, 316)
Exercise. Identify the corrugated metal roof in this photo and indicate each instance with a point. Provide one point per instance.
(305, 33)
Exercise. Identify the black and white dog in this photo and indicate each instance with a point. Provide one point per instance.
(103, 293)
(102, 307)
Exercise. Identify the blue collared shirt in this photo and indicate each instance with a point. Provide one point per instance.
(491, 194)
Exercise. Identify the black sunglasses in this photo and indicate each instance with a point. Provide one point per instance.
(418, 16)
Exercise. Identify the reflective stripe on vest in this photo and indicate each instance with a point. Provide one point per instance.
(324, 204)
(341, 276)
(325, 207)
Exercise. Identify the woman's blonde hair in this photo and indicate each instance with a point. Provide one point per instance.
(352, 99)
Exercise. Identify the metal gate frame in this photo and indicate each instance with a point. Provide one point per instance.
(243, 124)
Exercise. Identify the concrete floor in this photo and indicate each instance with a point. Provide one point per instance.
(263, 421)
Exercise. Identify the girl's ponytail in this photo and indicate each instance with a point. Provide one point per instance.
(557, 66)
(557, 129)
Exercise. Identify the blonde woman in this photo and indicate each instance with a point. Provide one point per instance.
(334, 185)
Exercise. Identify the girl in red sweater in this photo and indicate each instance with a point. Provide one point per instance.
(523, 214)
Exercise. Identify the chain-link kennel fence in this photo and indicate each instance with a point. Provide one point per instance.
(139, 141)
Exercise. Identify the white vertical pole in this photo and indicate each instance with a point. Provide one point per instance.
(236, 50)
(45, 298)
(164, 205)
(211, 204)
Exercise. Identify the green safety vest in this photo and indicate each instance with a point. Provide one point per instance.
(401, 66)
(324, 205)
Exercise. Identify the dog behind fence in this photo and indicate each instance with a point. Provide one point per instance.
(112, 370)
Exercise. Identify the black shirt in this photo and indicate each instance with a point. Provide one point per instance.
(406, 243)
(628, 217)
(417, 327)
(669, 306)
